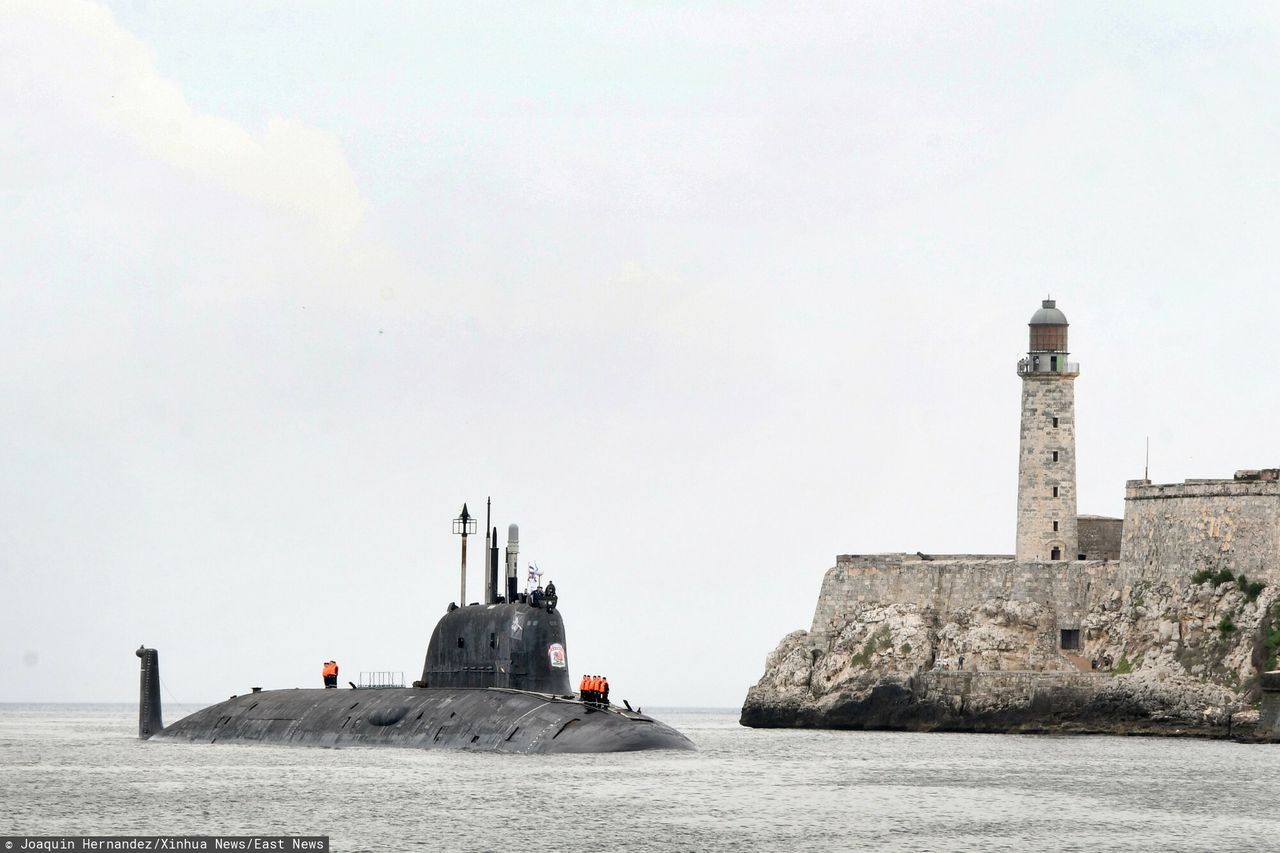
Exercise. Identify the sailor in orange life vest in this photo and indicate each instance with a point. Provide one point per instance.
(330, 673)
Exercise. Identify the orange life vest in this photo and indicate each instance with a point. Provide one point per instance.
(582, 685)
(330, 668)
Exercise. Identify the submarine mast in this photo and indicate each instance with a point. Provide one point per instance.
(464, 525)
(488, 546)
(513, 559)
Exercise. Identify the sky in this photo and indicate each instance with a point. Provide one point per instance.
(702, 295)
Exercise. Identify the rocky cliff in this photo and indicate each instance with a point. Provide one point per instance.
(1185, 654)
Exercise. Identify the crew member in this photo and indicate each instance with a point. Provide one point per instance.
(604, 690)
(584, 687)
(330, 673)
(597, 687)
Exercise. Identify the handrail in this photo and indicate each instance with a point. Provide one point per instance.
(376, 680)
(1065, 368)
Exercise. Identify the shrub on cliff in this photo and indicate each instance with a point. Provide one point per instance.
(1215, 578)
(1226, 626)
(1251, 589)
(1270, 637)
(1272, 643)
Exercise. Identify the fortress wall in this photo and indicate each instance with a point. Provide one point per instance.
(1182, 528)
(1169, 533)
(1099, 537)
(978, 689)
(953, 583)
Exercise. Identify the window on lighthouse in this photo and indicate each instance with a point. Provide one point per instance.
(1055, 456)
(1055, 491)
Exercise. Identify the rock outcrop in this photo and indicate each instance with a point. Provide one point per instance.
(1184, 658)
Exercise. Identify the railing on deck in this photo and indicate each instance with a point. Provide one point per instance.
(1064, 368)
(377, 680)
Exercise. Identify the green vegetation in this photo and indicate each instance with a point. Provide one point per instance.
(1226, 626)
(880, 639)
(1219, 578)
(1123, 666)
(905, 649)
(1271, 639)
(1251, 589)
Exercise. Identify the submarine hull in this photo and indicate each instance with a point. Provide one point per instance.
(480, 719)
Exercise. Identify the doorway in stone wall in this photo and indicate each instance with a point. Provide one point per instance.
(1070, 639)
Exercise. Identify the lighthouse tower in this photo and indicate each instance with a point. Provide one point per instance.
(1047, 446)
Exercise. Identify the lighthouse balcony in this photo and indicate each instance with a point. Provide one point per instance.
(1047, 365)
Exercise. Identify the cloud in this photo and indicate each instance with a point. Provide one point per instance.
(72, 62)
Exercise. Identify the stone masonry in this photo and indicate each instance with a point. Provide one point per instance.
(1204, 524)
(1099, 537)
(1047, 468)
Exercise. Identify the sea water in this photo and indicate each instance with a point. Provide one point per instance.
(80, 769)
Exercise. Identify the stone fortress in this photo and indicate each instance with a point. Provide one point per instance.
(1162, 622)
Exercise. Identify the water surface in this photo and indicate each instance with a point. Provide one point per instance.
(79, 769)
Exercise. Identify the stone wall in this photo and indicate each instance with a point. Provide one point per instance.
(1100, 537)
(1181, 528)
(1068, 589)
(1269, 707)
(986, 687)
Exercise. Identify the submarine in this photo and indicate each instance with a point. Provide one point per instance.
(495, 679)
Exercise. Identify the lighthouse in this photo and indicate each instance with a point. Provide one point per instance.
(1047, 442)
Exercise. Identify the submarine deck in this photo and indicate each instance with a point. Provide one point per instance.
(483, 719)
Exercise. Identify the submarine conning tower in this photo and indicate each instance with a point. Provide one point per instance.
(515, 642)
(513, 645)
